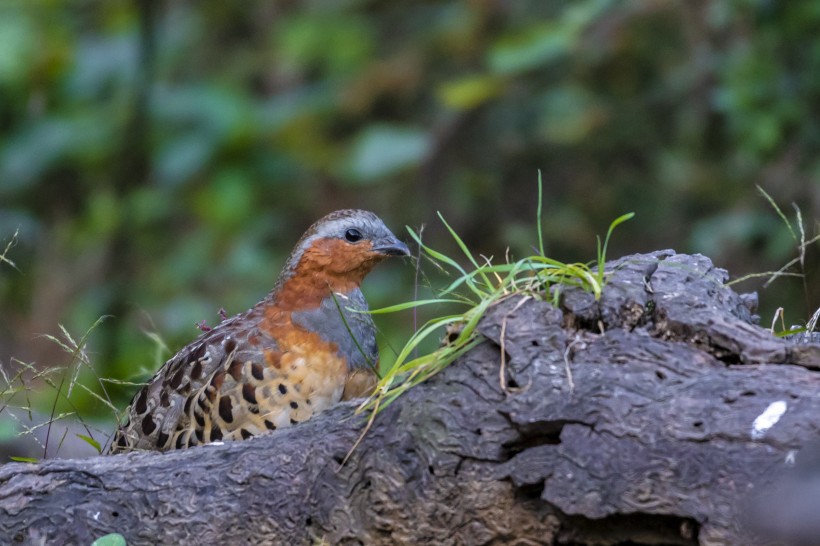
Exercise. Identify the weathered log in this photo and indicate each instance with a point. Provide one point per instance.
(658, 415)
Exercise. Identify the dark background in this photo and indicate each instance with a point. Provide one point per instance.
(159, 159)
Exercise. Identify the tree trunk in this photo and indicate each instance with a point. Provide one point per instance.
(648, 417)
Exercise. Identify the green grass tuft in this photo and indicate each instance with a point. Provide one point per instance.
(478, 288)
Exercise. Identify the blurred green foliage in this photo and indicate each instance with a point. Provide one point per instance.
(161, 158)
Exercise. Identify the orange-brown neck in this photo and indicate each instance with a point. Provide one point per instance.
(328, 265)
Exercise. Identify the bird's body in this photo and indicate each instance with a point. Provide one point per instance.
(297, 352)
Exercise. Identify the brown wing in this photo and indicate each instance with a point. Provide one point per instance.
(265, 389)
(237, 381)
(158, 409)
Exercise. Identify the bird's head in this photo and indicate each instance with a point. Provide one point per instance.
(340, 249)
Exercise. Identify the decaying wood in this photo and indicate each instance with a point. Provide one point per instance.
(640, 418)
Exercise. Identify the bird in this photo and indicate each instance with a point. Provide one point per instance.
(304, 347)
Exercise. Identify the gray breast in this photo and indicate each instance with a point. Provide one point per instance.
(339, 320)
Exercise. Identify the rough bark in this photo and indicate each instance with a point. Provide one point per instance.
(626, 420)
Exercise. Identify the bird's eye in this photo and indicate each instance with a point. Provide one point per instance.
(353, 235)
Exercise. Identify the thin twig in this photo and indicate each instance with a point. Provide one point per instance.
(813, 321)
(778, 313)
(364, 432)
(566, 364)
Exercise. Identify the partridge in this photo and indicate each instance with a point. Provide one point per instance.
(304, 347)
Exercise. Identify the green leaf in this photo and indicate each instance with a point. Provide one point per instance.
(411, 305)
(25, 459)
(38, 146)
(90, 441)
(333, 43)
(542, 43)
(530, 48)
(384, 149)
(464, 248)
(113, 539)
(570, 115)
(102, 64)
(19, 40)
(227, 201)
(470, 92)
(183, 157)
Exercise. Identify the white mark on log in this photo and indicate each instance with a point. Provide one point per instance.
(790, 457)
(216, 444)
(768, 419)
(96, 516)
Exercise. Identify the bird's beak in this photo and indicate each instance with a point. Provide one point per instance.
(391, 247)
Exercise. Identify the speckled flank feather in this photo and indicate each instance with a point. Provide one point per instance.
(288, 358)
